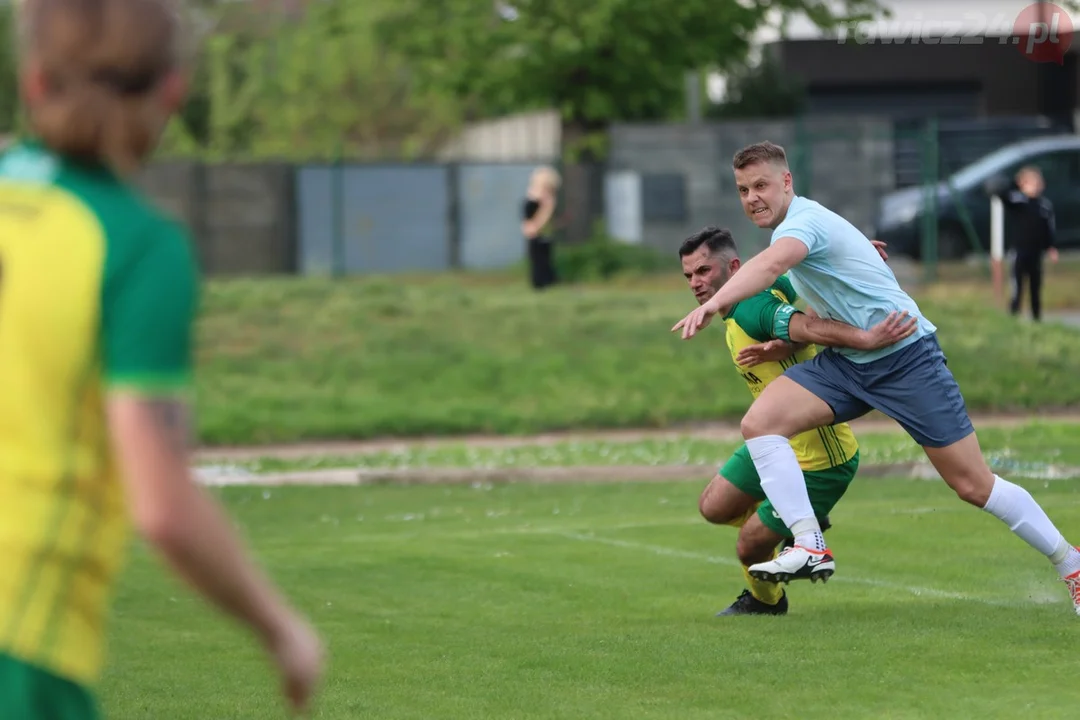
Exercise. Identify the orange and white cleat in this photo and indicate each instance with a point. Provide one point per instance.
(1073, 583)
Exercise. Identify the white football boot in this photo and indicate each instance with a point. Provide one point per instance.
(799, 563)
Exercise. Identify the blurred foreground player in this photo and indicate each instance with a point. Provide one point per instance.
(97, 296)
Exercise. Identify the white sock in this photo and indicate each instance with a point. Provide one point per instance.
(1070, 565)
(1015, 507)
(784, 484)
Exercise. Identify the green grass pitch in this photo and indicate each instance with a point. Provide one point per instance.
(597, 600)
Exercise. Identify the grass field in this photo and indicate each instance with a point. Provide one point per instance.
(598, 601)
(591, 600)
(970, 282)
(295, 359)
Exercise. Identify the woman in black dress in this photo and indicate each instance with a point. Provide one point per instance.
(537, 213)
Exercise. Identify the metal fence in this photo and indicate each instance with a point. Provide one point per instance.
(662, 182)
(853, 165)
(353, 219)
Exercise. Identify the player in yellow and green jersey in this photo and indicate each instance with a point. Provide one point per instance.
(97, 298)
(766, 334)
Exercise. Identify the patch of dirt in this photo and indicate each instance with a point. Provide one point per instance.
(716, 431)
(484, 476)
(920, 470)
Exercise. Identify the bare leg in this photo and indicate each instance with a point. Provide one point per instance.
(963, 468)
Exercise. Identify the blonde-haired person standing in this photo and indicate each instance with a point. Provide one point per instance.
(98, 290)
(539, 208)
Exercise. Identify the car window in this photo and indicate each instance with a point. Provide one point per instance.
(1058, 168)
(996, 162)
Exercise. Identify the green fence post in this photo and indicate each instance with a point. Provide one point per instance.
(969, 226)
(803, 153)
(338, 223)
(929, 212)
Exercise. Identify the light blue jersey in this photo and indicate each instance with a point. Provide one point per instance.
(843, 277)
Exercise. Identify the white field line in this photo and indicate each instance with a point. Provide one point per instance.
(914, 590)
(1044, 595)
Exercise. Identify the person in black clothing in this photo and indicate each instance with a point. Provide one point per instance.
(1029, 232)
(539, 207)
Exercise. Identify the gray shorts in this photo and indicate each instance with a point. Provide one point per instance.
(912, 386)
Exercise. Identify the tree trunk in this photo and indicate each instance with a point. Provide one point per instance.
(583, 173)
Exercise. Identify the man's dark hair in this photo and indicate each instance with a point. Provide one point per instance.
(718, 240)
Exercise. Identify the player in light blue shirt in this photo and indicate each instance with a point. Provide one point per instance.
(843, 277)
(840, 274)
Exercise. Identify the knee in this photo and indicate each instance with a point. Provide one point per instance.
(755, 425)
(972, 487)
(712, 510)
(705, 507)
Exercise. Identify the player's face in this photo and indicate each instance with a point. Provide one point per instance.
(764, 189)
(706, 273)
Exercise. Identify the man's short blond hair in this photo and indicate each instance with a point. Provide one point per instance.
(759, 153)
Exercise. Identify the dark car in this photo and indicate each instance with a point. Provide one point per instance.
(900, 213)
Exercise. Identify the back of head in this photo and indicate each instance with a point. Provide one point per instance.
(762, 152)
(719, 241)
(90, 72)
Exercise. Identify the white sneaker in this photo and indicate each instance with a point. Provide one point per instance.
(1073, 583)
(799, 563)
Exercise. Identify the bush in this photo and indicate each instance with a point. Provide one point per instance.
(603, 258)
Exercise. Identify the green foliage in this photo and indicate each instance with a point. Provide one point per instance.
(9, 87)
(604, 258)
(318, 87)
(382, 78)
(597, 61)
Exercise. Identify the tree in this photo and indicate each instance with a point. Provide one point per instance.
(763, 90)
(9, 86)
(316, 86)
(595, 61)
